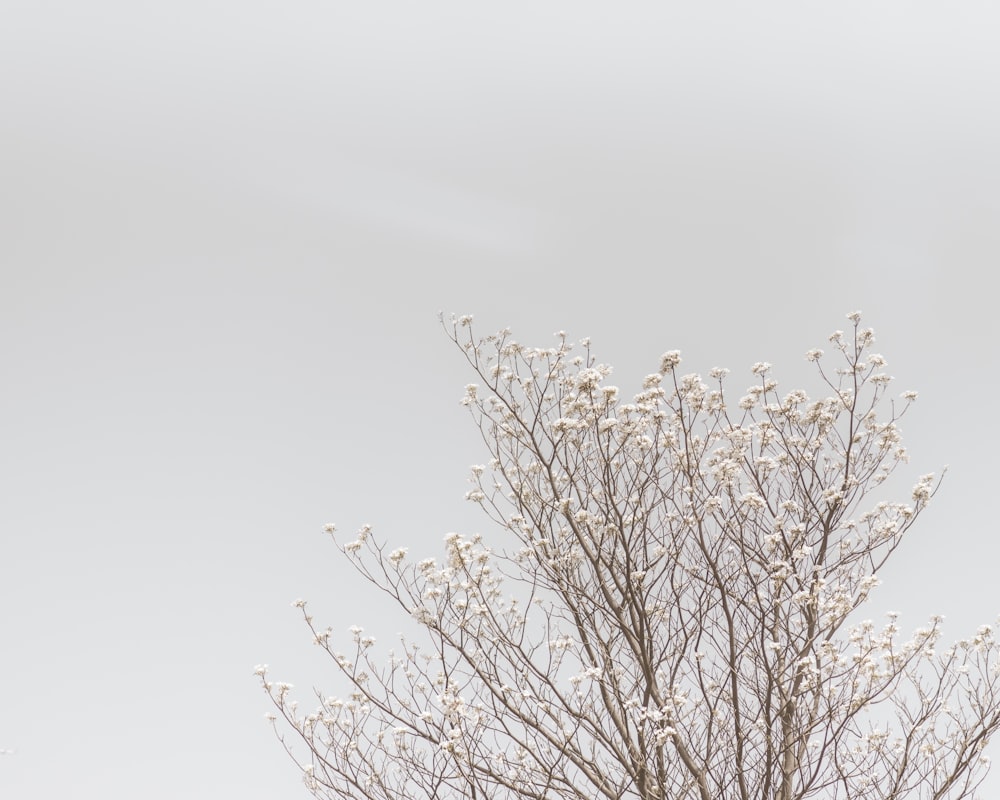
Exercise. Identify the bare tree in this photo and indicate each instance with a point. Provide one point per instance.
(670, 610)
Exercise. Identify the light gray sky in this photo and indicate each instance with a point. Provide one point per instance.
(226, 230)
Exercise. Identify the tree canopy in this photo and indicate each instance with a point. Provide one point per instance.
(668, 606)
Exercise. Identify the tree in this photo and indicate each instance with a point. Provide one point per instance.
(671, 608)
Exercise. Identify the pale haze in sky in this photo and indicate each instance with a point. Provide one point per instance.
(226, 232)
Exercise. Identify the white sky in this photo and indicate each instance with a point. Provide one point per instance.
(226, 230)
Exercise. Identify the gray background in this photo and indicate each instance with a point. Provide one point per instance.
(227, 229)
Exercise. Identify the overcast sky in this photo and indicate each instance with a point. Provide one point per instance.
(227, 229)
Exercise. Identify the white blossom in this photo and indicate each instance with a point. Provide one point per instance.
(669, 360)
